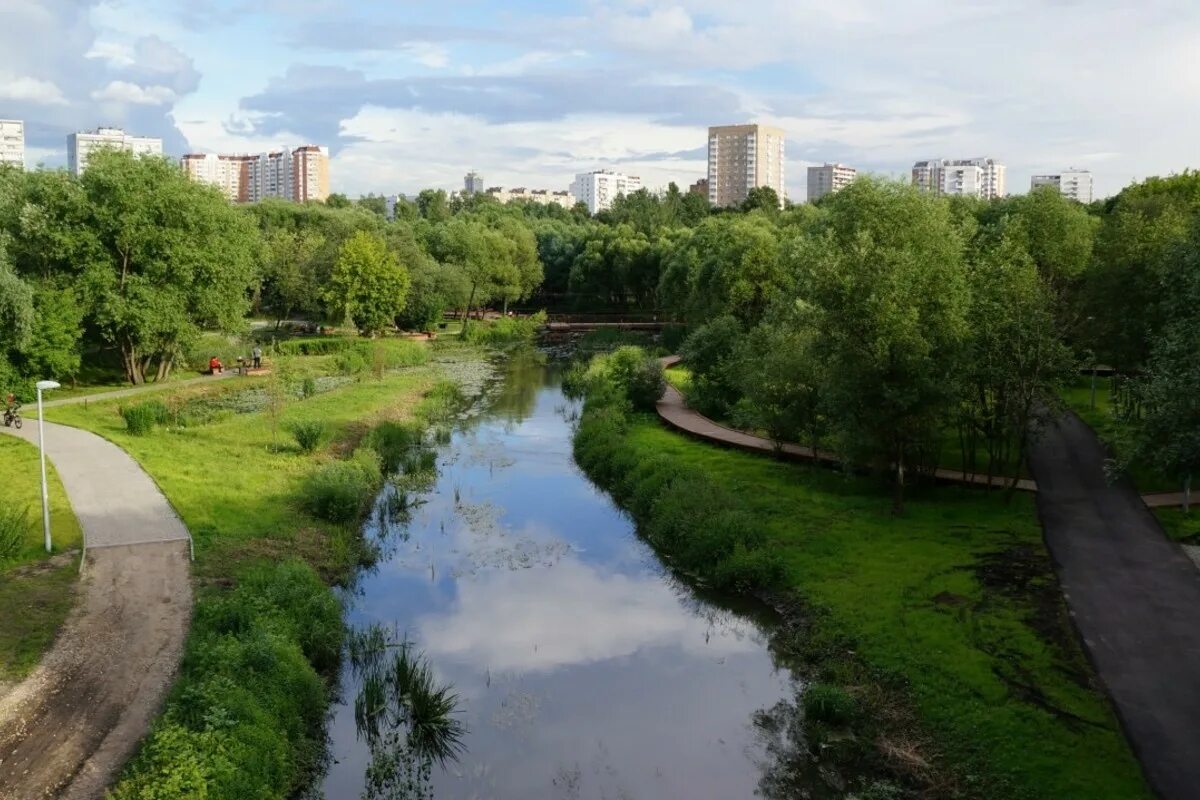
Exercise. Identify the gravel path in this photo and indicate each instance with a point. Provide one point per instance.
(68, 728)
(1133, 595)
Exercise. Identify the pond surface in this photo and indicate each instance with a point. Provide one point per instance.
(583, 668)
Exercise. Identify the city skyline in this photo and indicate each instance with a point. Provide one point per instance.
(530, 96)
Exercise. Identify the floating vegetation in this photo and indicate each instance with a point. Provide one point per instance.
(405, 716)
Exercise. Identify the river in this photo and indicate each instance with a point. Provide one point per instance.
(584, 669)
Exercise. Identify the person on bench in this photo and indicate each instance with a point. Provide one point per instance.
(215, 366)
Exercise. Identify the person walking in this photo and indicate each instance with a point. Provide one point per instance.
(256, 354)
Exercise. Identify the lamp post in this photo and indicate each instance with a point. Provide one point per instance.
(41, 386)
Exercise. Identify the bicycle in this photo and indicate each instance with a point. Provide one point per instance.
(12, 417)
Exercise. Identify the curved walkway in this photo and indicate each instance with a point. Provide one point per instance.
(672, 410)
(68, 727)
(1133, 596)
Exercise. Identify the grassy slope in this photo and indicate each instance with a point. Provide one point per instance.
(226, 480)
(37, 591)
(910, 593)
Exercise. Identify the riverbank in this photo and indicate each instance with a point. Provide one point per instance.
(246, 715)
(939, 638)
(37, 588)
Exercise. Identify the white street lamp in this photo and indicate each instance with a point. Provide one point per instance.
(44, 385)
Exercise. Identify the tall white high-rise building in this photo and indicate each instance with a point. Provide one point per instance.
(472, 183)
(598, 189)
(12, 142)
(1073, 183)
(301, 174)
(977, 177)
(828, 179)
(81, 145)
(741, 158)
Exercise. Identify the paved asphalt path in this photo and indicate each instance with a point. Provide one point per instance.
(1135, 600)
(67, 728)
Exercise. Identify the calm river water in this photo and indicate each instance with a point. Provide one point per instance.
(584, 669)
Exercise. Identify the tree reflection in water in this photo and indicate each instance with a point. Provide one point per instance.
(406, 719)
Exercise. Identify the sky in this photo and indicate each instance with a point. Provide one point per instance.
(409, 94)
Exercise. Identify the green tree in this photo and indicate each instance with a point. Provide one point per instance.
(368, 284)
(338, 200)
(887, 285)
(433, 205)
(289, 278)
(167, 257)
(53, 349)
(762, 198)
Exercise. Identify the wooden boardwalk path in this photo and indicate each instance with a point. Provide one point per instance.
(673, 411)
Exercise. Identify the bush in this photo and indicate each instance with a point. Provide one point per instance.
(393, 441)
(323, 346)
(351, 362)
(832, 705)
(308, 387)
(507, 330)
(707, 352)
(140, 419)
(246, 716)
(640, 376)
(308, 434)
(15, 525)
(338, 491)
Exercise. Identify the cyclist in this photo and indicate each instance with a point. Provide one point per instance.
(12, 409)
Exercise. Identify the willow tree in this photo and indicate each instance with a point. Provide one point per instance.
(886, 283)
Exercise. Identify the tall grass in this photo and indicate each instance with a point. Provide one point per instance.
(506, 330)
(15, 525)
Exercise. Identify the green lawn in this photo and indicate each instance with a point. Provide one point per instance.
(955, 601)
(36, 591)
(234, 482)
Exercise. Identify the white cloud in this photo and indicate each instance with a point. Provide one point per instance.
(113, 53)
(503, 621)
(31, 90)
(133, 94)
(427, 54)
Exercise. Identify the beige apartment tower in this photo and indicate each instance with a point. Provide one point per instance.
(301, 174)
(742, 157)
(828, 179)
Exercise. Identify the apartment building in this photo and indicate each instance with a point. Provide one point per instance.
(82, 144)
(977, 177)
(828, 179)
(301, 174)
(12, 142)
(541, 196)
(741, 158)
(699, 187)
(599, 188)
(472, 183)
(1073, 183)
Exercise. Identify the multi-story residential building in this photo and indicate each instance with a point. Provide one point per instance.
(542, 196)
(12, 142)
(472, 183)
(81, 145)
(1073, 183)
(599, 188)
(301, 174)
(828, 179)
(742, 157)
(699, 187)
(310, 173)
(978, 177)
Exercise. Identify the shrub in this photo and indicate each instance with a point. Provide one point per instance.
(15, 525)
(141, 418)
(351, 362)
(506, 330)
(707, 351)
(393, 441)
(640, 376)
(245, 719)
(308, 387)
(323, 346)
(338, 491)
(832, 705)
(308, 434)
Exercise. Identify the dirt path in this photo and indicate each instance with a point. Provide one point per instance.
(68, 728)
(1133, 595)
